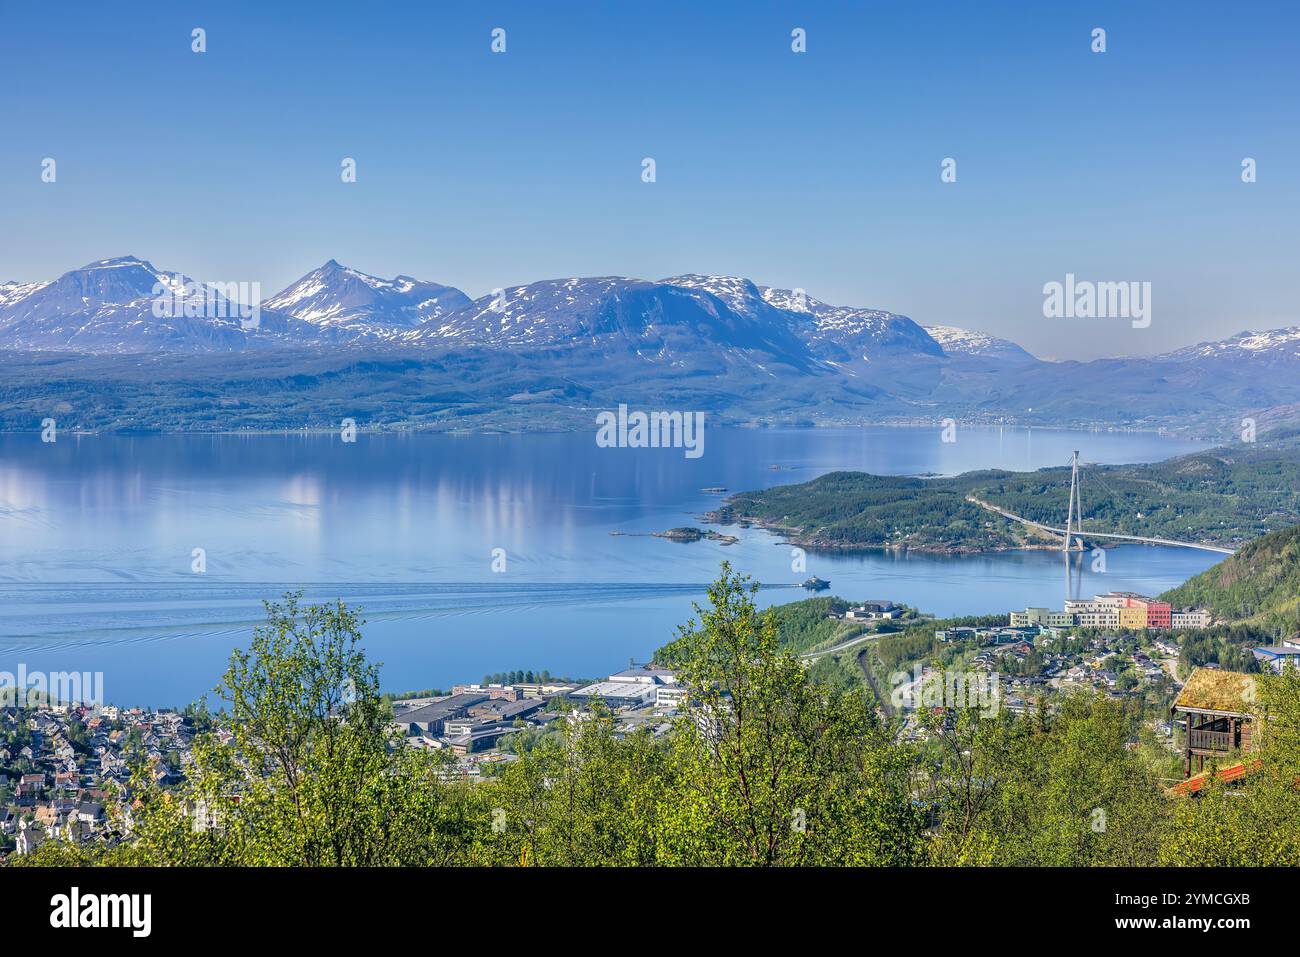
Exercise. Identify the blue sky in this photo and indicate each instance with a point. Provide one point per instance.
(817, 170)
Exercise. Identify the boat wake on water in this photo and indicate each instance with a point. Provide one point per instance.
(64, 614)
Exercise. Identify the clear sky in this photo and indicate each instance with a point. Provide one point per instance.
(817, 170)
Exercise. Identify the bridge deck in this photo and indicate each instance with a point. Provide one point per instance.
(1081, 534)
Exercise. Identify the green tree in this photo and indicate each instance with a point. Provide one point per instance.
(1054, 787)
(307, 777)
(584, 797)
(768, 767)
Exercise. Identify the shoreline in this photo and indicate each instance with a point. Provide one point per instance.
(1157, 432)
(785, 536)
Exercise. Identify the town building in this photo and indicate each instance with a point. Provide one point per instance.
(429, 719)
(633, 687)
(959, 633)
(1042, 617)
(1277, 657)
(506, 692)
(646, 674)
(1190, 618)
(874, 611)
(617, 694)
(1120, 610)
(670, 696)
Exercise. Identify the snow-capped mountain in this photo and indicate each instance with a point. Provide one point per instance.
(546, 313)
(108, 306)
(126, 305)
(345, 299)
(847, 334)
(740, 295)
(665, 321)
(13, 291)
(1275, 345)
(967, 342)
(837, 334)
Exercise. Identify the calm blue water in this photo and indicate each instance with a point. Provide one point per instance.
(97, 536)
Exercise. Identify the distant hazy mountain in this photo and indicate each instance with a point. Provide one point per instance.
(109, 307)
(966, 342)
(345, 299)
(1276, 345)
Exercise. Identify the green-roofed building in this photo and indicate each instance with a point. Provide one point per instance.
(1217, 708)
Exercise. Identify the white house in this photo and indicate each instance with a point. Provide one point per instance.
(29, 838)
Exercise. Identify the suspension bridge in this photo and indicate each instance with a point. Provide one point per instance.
(1074, 531)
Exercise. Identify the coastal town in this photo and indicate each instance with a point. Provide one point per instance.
(1116, 644)
(63, 768)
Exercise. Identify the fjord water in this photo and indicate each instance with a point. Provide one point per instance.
(98, 538)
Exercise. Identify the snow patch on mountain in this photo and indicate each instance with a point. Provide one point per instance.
(850, 333)
(967, 342)
(549, 312)
(1274, 344)
(740, 295)
(11, 292)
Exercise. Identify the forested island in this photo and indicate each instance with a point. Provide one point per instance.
(1224, 496)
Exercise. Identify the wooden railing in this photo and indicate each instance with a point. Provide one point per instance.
(1210, 740)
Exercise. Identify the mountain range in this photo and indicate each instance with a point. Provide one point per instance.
(107, 307)
(410, 353)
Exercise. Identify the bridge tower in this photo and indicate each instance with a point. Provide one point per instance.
(1069, 522)
(1074, 498)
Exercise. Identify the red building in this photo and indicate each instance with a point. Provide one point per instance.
(1160, 614)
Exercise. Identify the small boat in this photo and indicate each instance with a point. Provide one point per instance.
(714, 489)
(816, 584)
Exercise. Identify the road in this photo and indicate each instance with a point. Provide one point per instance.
(1079, 534)
(882, 700)
(811, 656)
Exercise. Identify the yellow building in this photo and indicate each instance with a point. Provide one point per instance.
(1132, 617)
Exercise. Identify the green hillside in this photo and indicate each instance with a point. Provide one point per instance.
(1261, 582)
